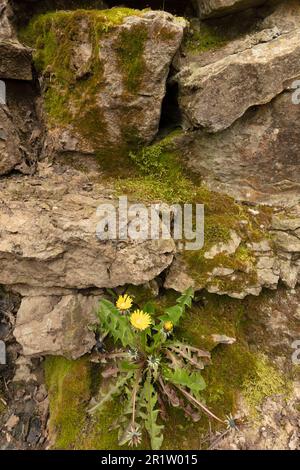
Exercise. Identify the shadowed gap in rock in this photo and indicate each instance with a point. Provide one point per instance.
(171, 117)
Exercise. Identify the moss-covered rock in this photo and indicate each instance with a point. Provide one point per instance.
(104, 76)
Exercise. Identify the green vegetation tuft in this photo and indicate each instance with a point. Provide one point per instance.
(202, 40)
(68, 384)
(130, 51)
(263, 382)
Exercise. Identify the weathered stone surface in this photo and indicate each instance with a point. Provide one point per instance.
(10, 154)
(285, 16)
(224, 247)
(270, 260)
(6, 29)
(15, 61)
(21, 133)
(210, 8)
(125, 102)
(257, 159)
(215, 95)
(56, 325)
(273, 327)
(50, 241)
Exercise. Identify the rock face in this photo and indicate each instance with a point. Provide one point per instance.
(50, 252)
(264, 264)
(6, 28)
(276, 327)
(253, 153)
(210, 8)
(51, 325)
(51, 241)
(15, 61)
(214, 96)
(19, 126)
(10, 154)
(111, 89)
(21, 130)
(96, 86)
(257, 158)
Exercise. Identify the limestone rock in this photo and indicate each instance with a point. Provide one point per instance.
(227, 247)
(121, 80)
(215, 95)
(21, 132)
(10, 154)
(285, 16)
(210, 8)
(50, 241)
(6, 28)
(56, 325)
(270, 260)
(15, 61)
(256, 159)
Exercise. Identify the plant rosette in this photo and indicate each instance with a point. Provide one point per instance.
(151, 368)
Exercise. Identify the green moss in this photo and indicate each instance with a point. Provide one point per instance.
(130, 47)
(160, 176)
(264, 381)
(68, 384)
(205, 39)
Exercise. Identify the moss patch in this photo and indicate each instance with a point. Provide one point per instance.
(265, 381)
(68, 384)
(203, 39)
(161, 176)
(130, 51)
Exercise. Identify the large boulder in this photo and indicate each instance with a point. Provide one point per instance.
(56, 325)
(212, 8)
(15, 61)
(48, 237)
(214, 95)
(245, 123)
(105, 79)
(257, 159)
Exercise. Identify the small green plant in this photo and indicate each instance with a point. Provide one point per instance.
(150, 368)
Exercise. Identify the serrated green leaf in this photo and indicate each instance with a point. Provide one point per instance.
(149, 307)
(116, 324)
(150, 415)
(173, 314)
(185, 300)
(191, 380)
(126, 365)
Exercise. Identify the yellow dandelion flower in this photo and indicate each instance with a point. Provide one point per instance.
(140, 320)
(124, 302)
(168, 326)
